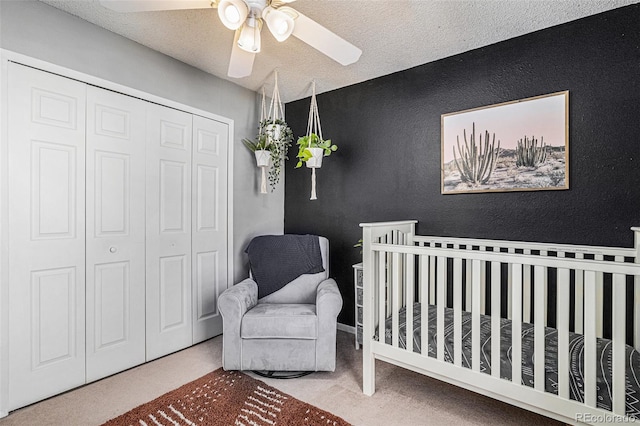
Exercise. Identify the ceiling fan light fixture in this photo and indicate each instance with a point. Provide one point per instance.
(279, 23)
(232, 13)
(249, 39)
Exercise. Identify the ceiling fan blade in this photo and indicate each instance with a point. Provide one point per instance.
(241, 61)
(153, 5)
(320, 38)
(277, 3)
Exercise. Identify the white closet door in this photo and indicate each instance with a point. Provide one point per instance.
(169, 324)
(209, 218)
(115, 232)
(46, 131)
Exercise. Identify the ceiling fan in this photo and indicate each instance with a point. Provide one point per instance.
(246, 17)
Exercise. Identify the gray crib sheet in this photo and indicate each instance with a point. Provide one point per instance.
(576, 353)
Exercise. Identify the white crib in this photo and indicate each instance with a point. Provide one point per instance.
(458, 285)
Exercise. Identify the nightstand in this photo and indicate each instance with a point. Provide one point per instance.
(358, 282)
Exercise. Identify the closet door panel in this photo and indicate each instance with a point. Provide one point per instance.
(46, 128)
(116, 127)
(209, 234)
(169, 325)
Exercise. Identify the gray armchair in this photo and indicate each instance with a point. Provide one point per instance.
(291, 329)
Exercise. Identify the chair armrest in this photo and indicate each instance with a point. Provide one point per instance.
(235, 301)
(328, 299)
(328, 306)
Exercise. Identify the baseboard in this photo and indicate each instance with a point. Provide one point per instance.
(346, 328)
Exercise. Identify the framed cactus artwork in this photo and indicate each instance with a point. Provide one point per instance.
(520, 145)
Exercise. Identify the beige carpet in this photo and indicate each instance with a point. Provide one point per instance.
(226, 398)
(402, 397)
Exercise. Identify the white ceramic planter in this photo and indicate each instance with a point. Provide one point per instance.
(315, 162)
(263, 157)
(273, 131)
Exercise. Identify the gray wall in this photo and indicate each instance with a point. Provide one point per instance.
(43, 32)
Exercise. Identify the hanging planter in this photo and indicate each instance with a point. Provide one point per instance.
(315, 162)
(263, 153)
(263, 160)
(273, 140)
(312, 147)
(263, 157)
(274, 132)
(279, 137)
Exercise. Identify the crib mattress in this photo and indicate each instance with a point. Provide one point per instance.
(576, 353)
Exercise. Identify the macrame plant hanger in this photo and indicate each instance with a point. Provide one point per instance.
(270, 130)
(313, 126)
(264, 165)
(276, 104)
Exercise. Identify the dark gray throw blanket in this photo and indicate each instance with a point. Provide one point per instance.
(276, 260)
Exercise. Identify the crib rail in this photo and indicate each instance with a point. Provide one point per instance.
(477, 277)
(609, 254)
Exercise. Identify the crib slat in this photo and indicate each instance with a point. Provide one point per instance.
(382, 296)
(387, 270)
(544, 253)
(579, 303)
(441, 295)
(510, 286)
(396, 271)
(420, 277)
(563, 332)
(526, 291)
(424, 304)
(468, 287)
(409, 292)
(636, 312)
(599, 298)
(495, 319)
(540, 273)
(475, 316)
(516, 323)
(483, 285)
(618, 358)
(590, 358)
(579, 298)
(432, 280)
(457, 309)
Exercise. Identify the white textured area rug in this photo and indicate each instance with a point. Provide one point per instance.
(226, 398)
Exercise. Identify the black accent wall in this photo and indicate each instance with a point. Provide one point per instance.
(387, 166)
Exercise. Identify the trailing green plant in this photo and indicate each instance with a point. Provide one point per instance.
(312, 141)
(529, 154)
(279, 148)
(477, 160)
(277, 143)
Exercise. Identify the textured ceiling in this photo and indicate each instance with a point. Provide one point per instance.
(393, 34)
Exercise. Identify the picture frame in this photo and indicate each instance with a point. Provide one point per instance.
(521, 145)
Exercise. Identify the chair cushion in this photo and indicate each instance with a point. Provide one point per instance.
(280, 321)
